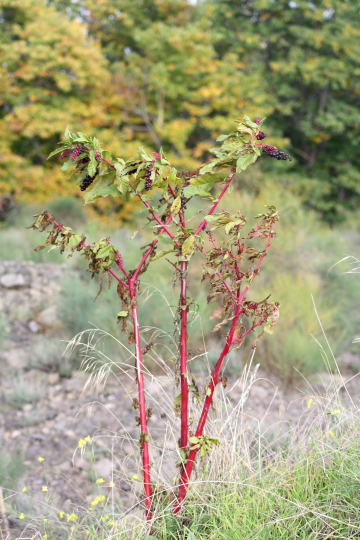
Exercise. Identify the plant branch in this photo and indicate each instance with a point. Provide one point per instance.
(212, 210)
(144, 436)
(62, 228)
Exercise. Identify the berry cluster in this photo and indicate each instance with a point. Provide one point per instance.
(261, 135)
(76, 153)
(65, 153)
(134, 170)
(88, 180)
(148, 181)
(273, 151)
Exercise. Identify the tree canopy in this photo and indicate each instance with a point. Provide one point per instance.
(172, 74)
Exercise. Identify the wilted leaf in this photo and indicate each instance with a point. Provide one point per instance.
(188, 247)
(176, 206)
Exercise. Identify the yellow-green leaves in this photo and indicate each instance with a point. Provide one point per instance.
(188, 247)
(176, 206)
(203, 443)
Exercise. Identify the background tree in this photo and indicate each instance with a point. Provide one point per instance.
(307, 55)
(51, 72)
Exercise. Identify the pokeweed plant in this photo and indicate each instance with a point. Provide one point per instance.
(231, 262)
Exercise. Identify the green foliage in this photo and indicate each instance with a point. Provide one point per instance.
(308, 55)
(135, 72)
(25, 390)
(11, 469)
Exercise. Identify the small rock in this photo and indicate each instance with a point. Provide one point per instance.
(48, 318)
(81, 463)
(38, 436)
(12, 280)
(104, 467)
(53, 378)
(17, 358)
(59, 426)
(34, 327)
(65, 467)
(28, 407)
(15, 434)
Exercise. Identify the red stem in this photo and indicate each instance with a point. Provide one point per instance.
(215, 379)
(142, 407)
(184, 438)
(228, 183)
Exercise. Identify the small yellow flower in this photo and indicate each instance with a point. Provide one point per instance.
(22, 516)
(44, 488)
(98, 500)
(72, 517)
(46, 536)
(46, 520)
(310, 403)
(82, 442)
(135, 477)
(41, 459)
(112, 484)
(175, 479)
(111, 523)
(24, 489)
(100, 481)
(61, 514)
(72, 528)
(105, 518)
(336, 411)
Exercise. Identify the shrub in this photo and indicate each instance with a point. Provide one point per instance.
(231, 263)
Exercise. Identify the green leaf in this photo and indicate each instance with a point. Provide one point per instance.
(222, 138)
(269, 329)
(208, 178)
(176, 206)
(172, 175)
(105, 252)
(57, 151)
(250, 123)
(74, 240)
(109, 190)
(162, 254)
(144, 155)
(208, 392)
(244, 161)
(202, 191)
(194, 440)
(93, 163)
(208, 168)
(122, 314)
(188, 247)
(67, 165)
(92, 194)
(203, 451)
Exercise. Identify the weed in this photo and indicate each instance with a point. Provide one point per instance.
(232, 261)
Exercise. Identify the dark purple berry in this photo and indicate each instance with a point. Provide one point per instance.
(88, 180)
(261, 135)
(148, 180)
